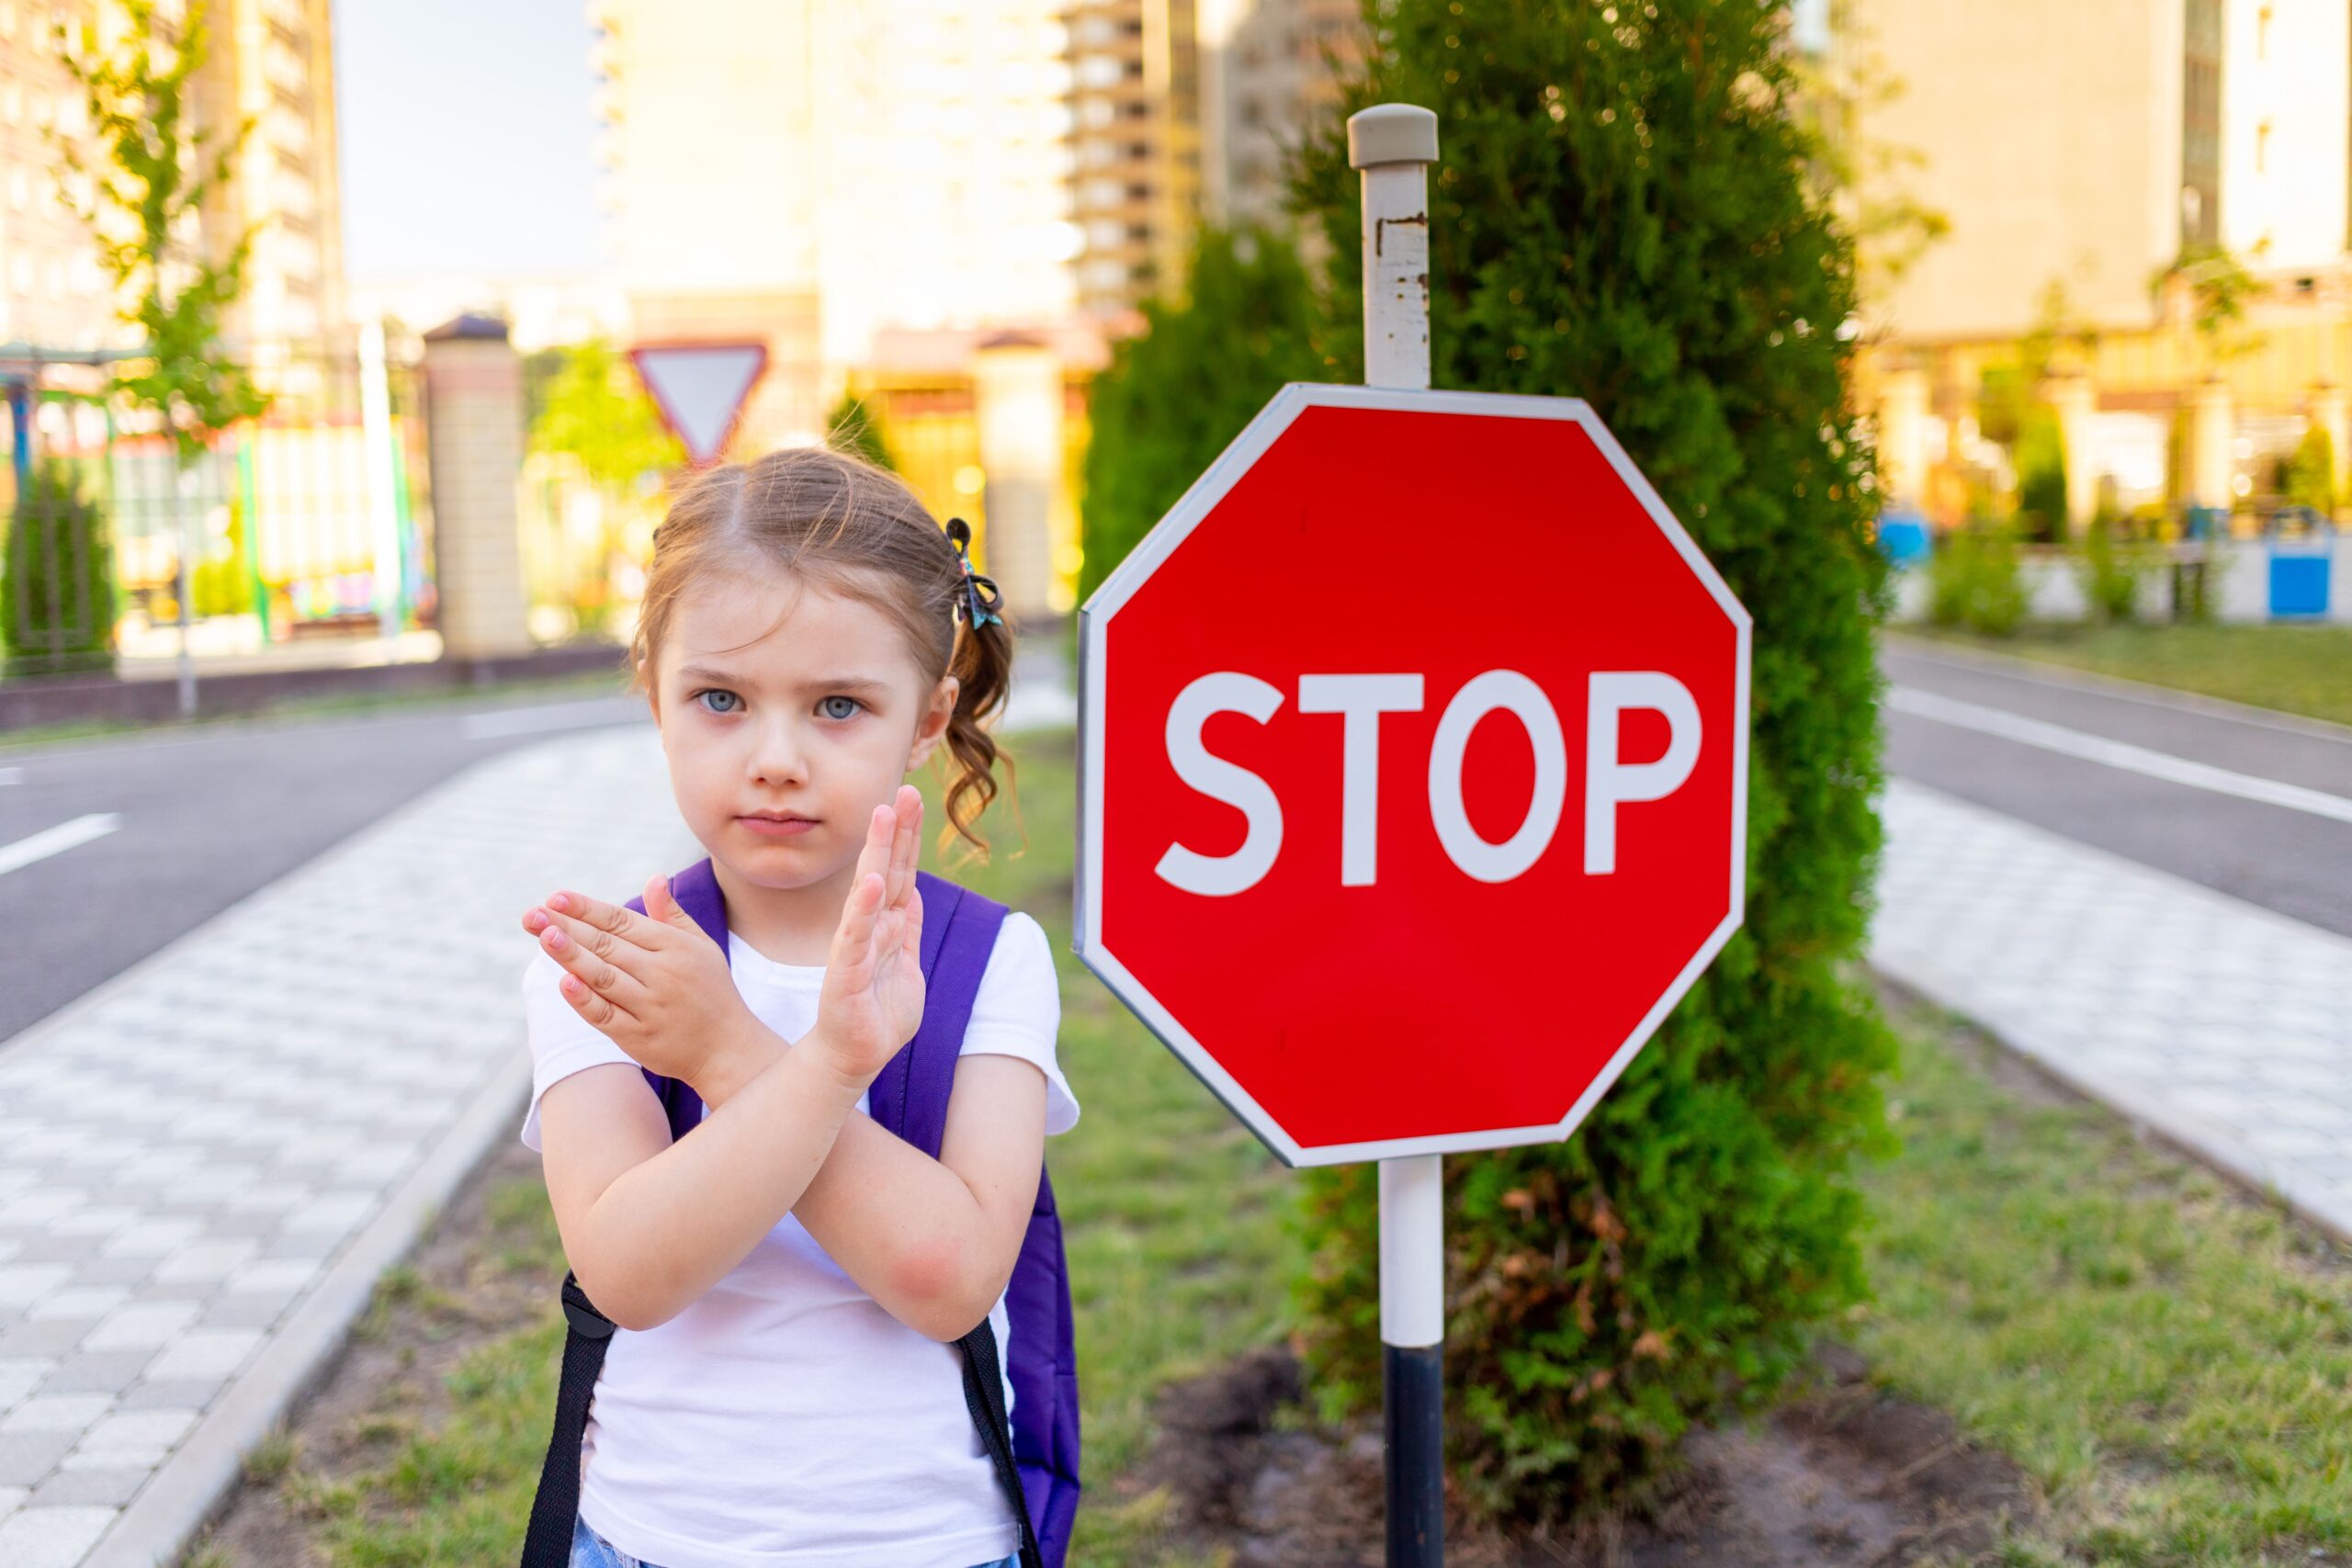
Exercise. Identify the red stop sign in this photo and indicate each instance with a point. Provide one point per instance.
(1413, 771)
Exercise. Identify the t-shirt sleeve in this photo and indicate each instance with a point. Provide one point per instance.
(1018, 1011)
(563, 1043)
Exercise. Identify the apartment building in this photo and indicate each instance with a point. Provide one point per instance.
(2077, 153)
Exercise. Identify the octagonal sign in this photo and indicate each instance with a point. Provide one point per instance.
(1413, 771)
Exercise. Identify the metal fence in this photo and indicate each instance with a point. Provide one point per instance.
(314, 519)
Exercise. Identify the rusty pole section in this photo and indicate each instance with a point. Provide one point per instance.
(1392, 145)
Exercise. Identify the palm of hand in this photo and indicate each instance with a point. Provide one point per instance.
(872, 999)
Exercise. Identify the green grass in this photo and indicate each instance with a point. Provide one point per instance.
(2171, 1361)
(2304, 670)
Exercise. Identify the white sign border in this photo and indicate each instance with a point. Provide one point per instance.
(1094, 621)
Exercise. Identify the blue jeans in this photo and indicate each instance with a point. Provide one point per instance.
(589, 1550)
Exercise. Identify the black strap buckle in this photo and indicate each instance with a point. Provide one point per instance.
(581, 1314)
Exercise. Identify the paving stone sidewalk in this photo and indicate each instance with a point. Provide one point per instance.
(2223, 1026)
(205, 1162)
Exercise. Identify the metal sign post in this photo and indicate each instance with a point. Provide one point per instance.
(1392, 145)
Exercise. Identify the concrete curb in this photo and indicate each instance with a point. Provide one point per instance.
(2241, 1167)
(183, 1495)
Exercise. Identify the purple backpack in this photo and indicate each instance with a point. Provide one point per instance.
(1035, 1454)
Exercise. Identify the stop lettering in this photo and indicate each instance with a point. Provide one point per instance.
(1413, 771)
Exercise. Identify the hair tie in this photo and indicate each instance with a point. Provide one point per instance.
(977, 604)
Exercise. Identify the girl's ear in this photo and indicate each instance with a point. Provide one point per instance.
(934, 721)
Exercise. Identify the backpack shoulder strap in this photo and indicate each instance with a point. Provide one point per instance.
(697, 892)
(959, 931)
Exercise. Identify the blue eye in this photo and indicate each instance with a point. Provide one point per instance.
(716, 691)
(826, 708)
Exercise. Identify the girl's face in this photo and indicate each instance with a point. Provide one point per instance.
(788, 712)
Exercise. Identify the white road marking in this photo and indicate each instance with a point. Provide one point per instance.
(559, 716)
(2116, 753)
(57, 841)
(2097, 682)
(12, 776)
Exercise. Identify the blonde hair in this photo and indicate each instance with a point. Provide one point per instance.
(834, 518)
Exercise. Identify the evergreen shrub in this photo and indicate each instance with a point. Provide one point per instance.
(1624, 211)
(2310, 472)
(1175, 395)
(2042, 477)
(1974, 580)
(58, 599)
(2108, 565)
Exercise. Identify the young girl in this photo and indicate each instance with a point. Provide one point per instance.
(784, 1391)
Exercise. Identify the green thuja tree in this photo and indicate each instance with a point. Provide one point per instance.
(854, 426)
(58, 598)
(1173, 396)
(2041, 477)
(1626, 210)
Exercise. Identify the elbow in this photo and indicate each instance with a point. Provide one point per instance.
(627, 1303)
(941, 1295)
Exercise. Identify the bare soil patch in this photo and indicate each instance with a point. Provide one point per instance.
(1846, 1477)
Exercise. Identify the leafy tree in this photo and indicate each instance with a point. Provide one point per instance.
(2219, 289)
(594, 410)
(1625, 212)
(2310, 472)
(58, 599)
(853, 427)
(1173, 396)
(144, 202)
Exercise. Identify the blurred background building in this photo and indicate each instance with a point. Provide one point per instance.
(2147, 211)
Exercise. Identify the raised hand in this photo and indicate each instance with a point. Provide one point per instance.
(656, 985)
(872, 999)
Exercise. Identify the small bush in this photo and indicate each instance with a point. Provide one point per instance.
(1975, 581)
(2310, 472)
(2108, 565)
(2042, 477)
(58, 599)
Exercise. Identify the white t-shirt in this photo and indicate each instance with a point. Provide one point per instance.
(785, 1419)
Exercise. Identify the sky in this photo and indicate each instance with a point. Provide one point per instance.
(467, 140)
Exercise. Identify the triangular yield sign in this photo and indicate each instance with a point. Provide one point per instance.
(700, 389)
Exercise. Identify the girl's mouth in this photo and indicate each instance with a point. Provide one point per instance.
(776, 827)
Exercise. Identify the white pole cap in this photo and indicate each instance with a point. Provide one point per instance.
(1392, 133)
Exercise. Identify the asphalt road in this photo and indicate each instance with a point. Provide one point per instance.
(2251, 803)
(111, 849)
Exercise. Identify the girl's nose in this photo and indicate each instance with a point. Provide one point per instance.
(779, 758)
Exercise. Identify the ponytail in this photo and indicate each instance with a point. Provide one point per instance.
(982, 665)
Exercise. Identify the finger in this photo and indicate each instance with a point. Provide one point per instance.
(572, 944)
(664, 910)
(906, 843)
(874, 855)
(591, 1004)
(912, 911)
(853, 941)
(618, 918)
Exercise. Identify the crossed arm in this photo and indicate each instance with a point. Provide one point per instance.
(649, 1225)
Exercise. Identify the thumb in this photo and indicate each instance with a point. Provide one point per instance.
(665, 908)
